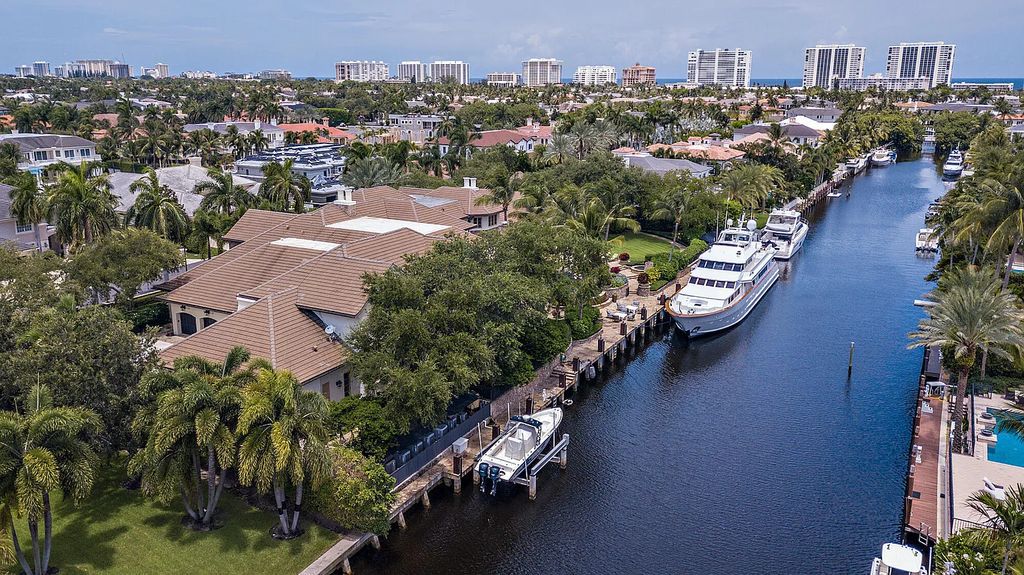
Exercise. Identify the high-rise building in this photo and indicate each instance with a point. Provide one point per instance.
(162, 71)
(932, 60)
(276, 74)
(119, 70)
(504, 79)
(721, 67)
(637, 75)
(881, 82)
(92, 68)
(824, 64)
(542, 71)
(594, 75)
(40, 69)
(456, 70)
(412, 71)
(23, 71)
(360, 71)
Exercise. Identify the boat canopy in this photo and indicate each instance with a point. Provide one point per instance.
(902, 557)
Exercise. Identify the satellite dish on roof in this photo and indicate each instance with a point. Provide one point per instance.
(329, 330)
(751, 225)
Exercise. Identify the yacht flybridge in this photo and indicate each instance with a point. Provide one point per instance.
(786, 229)
(726, 283)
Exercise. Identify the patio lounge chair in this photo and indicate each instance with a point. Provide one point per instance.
(994, 489)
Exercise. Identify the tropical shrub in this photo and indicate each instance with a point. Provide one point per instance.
(547, 342)
(586, 326)
(358, 495)
(624, 257)
(373, 431)
(643, 278)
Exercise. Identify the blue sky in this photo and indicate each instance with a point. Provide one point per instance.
(308, 36)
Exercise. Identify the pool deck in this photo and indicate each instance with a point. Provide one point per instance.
(970, 471)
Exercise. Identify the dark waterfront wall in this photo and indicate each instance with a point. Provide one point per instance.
(749, 452)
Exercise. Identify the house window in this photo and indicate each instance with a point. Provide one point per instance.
(39, 156)
(208, 321)
(475, 221)
(492, 220)
(187, 322)
(346, 381)
(85, 152)
(69, 153)
(325, 390)
(23, 229)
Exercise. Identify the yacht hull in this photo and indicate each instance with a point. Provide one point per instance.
(699, 325)
(789, 249)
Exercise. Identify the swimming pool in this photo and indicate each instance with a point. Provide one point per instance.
(1009, 448)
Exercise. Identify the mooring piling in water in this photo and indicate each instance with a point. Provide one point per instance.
(849, 366)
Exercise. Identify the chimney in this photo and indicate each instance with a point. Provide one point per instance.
(256, 125)
(326, 121)
(345, 203)
(195, 161)
(529, 122)
(469, 183)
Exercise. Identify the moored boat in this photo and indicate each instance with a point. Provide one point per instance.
(925, 241)
(523, 441)
(726, 283)
(786, 230)
(898, 559)
(954, 166)
(881, 157)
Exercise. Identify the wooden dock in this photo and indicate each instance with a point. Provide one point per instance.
(612, 345)
(922, 509)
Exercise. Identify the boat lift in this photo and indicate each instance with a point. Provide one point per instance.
(528, 474)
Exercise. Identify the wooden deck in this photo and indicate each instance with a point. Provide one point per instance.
(924, 479)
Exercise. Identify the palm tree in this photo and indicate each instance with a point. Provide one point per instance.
(195, 420)
(971, 315)
(283, 432)
(156, 208)
(46, 449)
(673, 205)
(370, 172)
(28, 203)
(504, 194)
(1003, 205)
(283, 187)
(561, 147)
(81, 206)
(221, 194)
(750, 184)
(257, 141)
(535, 199)
(1004, 517)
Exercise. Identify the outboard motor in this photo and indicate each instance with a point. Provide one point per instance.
(482, 470)
(495, 474)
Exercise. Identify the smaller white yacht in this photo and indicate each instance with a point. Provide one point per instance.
(881, 157)
(898, 559)
(954, 165)
(926, 241)
(522, 441)
(857, 164)
(786, 230)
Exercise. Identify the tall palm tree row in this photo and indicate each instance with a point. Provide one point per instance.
(971, 315)
(283, 188)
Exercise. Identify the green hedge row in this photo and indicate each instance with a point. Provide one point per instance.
(667, 270)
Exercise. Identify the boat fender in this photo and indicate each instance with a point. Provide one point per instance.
(567, 402)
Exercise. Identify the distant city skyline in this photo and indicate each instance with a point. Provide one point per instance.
(307, 37)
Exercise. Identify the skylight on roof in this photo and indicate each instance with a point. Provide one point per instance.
(305, 244)
(385, 225)
(430, 201)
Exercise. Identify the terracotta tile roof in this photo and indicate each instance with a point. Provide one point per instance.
(320, 129)
(330, 283)
(274, 329)
(391, 247)
(713, 153)
(490, 138)
(463, 198)
(254, 222)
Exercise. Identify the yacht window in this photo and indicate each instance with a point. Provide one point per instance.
(719, 284)
(693, 280)
(719, 265)
(701, 281)
(730, 285)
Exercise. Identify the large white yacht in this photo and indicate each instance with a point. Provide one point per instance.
(727, 282)
(954, 165)
(786, 229)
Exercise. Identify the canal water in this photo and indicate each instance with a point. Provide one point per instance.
(746, 452)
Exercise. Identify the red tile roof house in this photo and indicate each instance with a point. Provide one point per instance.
(325, 133)
(523, 139)
(291, 287)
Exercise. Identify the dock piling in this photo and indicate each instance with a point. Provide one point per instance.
(849, 366)
(346, 567)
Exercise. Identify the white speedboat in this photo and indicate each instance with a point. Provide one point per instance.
(881, 157)
(898, 559)
(522, 441)
(954, 165)
(857, 165)
(925, 241)
(786, 229)
(728, 281)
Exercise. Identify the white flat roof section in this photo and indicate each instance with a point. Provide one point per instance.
(385, 225)
(305, 244)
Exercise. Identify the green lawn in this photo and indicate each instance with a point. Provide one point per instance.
(640, 245)
(119, 531)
